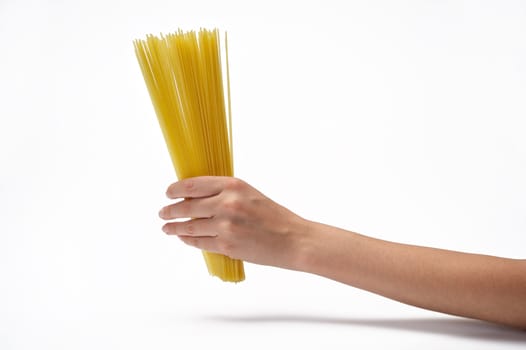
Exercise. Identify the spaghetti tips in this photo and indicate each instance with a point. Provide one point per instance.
(183, 72)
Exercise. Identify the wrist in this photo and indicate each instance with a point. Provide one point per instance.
(304, 244)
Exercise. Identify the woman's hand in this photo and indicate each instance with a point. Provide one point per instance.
(228, 216)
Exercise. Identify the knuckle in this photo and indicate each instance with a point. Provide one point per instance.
(226, 247)
(234, 184)
(189, 186)
(170, 212)
(190, 227)
(233, 204)
(226, 227)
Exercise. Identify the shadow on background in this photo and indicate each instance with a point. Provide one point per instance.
(455, 327)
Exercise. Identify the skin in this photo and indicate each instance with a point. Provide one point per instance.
(231, 217)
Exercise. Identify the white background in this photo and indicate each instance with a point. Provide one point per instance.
(403, 120)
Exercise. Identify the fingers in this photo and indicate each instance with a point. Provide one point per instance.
(197, 187)
(189, 208)
(193, 228)
(204, 199)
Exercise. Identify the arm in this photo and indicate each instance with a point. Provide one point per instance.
(232, 218)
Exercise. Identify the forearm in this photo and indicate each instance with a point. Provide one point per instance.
(470, 285)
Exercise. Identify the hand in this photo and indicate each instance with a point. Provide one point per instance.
(232, 218)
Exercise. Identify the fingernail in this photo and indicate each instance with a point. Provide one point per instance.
(165, 229)
(161, 212)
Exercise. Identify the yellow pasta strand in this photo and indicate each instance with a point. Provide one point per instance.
(183, 74)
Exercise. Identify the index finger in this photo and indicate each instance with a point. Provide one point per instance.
(196, 187)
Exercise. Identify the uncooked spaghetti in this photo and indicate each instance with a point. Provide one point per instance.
(184, 76)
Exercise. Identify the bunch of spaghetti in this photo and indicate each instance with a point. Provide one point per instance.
(184, 76)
